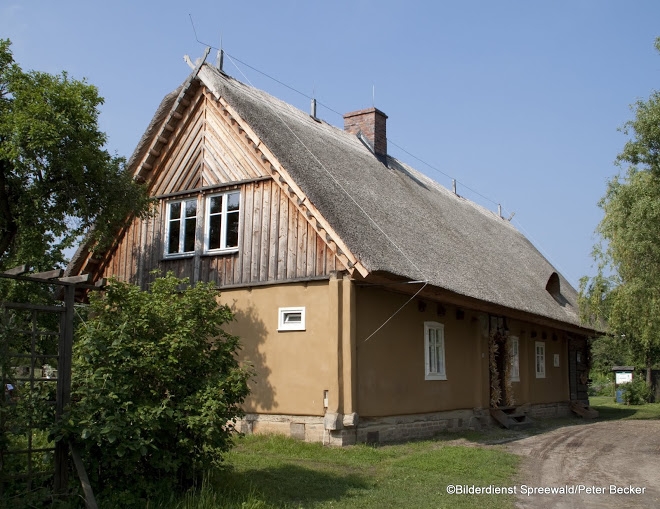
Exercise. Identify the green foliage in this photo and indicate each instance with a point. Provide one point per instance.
(154, 399)
(636, 392)
(626, 290)
(609, 351)
(601, 384)
(56, 180)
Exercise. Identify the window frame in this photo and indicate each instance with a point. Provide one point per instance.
(540, 373)
(223, 223)
(283, 325)
(515, 358)
(439, 374)
(182, 227)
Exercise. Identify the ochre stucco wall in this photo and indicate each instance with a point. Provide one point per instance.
(383, 375)
(554, 387)
(293, 367)
(390, 364)
(390, 378)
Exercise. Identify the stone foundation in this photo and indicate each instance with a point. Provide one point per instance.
(549, 410)
(338, 429)
(408, 427)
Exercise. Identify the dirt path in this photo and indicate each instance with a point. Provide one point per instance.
(592, 457)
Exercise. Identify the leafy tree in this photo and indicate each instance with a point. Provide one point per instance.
(56, 179)
(154, 398)
(626, 290)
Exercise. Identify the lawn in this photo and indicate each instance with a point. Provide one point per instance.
(608, 409)
(277, 472)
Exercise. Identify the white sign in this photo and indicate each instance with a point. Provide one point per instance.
(623, 378)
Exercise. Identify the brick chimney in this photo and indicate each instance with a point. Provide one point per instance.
(372, 123)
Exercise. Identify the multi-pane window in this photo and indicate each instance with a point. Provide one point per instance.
(219, 229)
(515, 358)
(181, 226)
(540, 359)
(222, 215)
(434, 351)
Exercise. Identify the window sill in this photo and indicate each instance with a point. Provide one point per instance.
(221, 252)
(435, 377)
(177, 256)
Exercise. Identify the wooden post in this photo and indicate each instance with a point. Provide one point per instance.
(64, 385)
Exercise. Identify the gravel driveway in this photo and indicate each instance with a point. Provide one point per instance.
(610, 464)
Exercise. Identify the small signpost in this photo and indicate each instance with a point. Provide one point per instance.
(622, 375)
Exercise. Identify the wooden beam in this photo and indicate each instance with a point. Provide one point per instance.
(51, 274)
(17, 271)
(188, 61)
(90, 501)
(83, 278)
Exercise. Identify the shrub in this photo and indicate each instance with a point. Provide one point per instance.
(154, 399)
(636, 392)
(601, 385)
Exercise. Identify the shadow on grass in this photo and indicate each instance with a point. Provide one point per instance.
(610, 412)
(290, 485)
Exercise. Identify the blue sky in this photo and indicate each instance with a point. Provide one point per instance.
(519, 101)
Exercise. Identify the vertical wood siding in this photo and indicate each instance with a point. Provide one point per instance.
(276, 243)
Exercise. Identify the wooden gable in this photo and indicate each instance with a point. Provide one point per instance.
(203, 152)
(208, 151)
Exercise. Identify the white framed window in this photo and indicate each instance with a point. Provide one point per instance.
(221, 221)
(291, 319)
(539, 348)
(515, 358)
(434, 351)
(181, 227)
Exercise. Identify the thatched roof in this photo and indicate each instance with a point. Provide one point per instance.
(397, 220)
(394, 219)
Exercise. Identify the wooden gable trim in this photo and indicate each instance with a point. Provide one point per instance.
(267, 160)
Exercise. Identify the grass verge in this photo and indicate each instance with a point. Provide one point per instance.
(266, 472)
(609, 409)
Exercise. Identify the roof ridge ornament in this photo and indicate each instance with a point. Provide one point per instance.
(197, 65)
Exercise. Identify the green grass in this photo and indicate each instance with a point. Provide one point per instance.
(266, 472)
(274, 472)
(609, 409)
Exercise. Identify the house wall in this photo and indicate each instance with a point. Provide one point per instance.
(207, 153)
(390, 364)
(391, 371)
(293, 368)
(276, 244)
(554, 387)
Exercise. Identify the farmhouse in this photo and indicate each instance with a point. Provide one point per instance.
(373, 303)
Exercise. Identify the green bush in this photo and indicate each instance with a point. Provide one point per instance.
(601, 384)
(636, 392)
(156, 389)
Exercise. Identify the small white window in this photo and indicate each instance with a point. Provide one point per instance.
(181, 226)
(221, 222)
(515, 359)
(434, 351)
(540, 359)
(291, 319)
